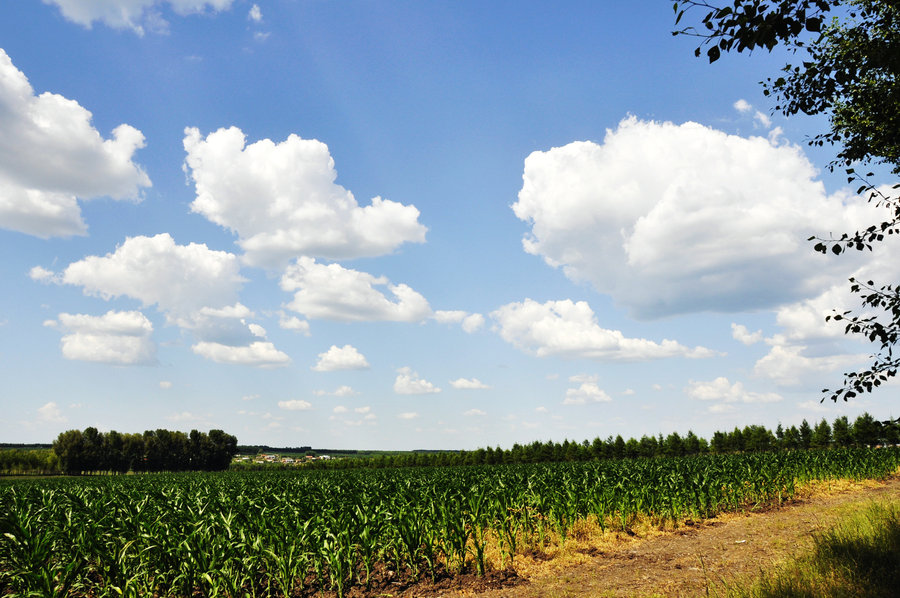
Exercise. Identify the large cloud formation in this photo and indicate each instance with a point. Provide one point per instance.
(570, 329)
(282, 201)
(672, 219)
(131, 14)
(51, 156)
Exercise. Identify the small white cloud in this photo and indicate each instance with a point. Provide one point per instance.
(587, 392)
(341, 391)
(259, 354)
(116, 338)
(362, 410)
(740, 333)
(469, 322)
(165, 384)
(332, 292)
(255, 14)
(340, 409)
(341, 358)
(50, 413)
(469, 384)
(474, 412)
(295, 405)
(408, 382)
(743, 106)
(762, 119)
(628, 392)
(257, 330)
(408, 415)
(249, 397)
(43, 275)
(541, 409)
(722, 390)
(294, 323)
(570, 329)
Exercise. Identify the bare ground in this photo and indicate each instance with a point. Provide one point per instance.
(699, 559)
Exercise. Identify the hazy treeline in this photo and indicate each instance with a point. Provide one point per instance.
(28, 461)
(864, 431)
(154, 450)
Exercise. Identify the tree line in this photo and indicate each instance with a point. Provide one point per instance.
(155, 450)
(864, 431)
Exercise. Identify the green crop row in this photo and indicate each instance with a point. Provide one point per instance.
(300, 533)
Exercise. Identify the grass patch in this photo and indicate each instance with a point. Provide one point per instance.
(859, 557)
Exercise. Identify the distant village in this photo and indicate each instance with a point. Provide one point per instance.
(272, 458)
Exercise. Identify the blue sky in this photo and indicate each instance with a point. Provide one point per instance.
(398, 225)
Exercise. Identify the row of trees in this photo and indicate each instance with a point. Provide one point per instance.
(864, 431)
(28, 460)
(154, 450)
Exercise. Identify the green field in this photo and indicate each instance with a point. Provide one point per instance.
(303, 532)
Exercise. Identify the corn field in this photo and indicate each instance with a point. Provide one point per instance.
(304, 533)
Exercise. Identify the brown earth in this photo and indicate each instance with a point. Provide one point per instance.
(696, 559)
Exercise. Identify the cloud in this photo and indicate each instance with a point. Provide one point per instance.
(117, 338)
(474, 412)
(787, 365)
(259, 354)
(408, 382)
(332, 292)
(470, 322)
(743, 106)
(341, 358)
(341, 391)
(569, 329)
(135, 15)
(282, 202)
(295, 405)
(671, 219)
(51, 156)
(50, 413)
(294, 323)
(469, 384)
(255, 14)
(740, 333)
(179, 279)
(587, 392)
(408, 415)
(165, 384)
(340, 409)
(722, 390)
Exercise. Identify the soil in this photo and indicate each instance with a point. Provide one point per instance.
(696, 559)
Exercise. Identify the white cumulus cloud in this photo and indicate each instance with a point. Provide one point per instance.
(51, 156)
(409, 382)
(335, 358)
(588, 391)
(117, 337)
(469, 384)
(294, 323)
(282, 201)
(724, 391)
(469, 322)
(672, 219)
(295, 405)
(332, 292)
(570, 329)
(261, 354)
(179, 279)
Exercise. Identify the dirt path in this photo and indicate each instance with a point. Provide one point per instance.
(694, 559)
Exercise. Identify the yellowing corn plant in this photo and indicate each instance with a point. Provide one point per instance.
(300, 533)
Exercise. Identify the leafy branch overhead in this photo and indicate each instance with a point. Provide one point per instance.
(849, 61)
